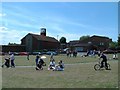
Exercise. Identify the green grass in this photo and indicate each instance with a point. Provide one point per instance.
(80, 75)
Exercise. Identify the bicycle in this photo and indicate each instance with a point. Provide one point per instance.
(98, 66)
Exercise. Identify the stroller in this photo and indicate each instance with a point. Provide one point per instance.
(6, 63)
(40, 65)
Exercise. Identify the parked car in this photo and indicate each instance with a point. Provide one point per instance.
(36, 53)
(50, 52)
(23, 53)
(16, 53)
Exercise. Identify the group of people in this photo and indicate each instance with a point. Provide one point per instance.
(91, 53)
(9, 60)
(59, 67)
(69, 53)
(52, 65)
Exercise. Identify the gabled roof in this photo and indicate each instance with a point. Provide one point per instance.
(42, 38)
(100, 36)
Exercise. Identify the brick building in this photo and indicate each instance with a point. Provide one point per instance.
(13, 48)
(94, 42)
(34, 42)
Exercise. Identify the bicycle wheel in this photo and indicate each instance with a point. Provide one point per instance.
(97, 67)
(108, 66)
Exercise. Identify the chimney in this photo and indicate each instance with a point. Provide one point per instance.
(43, 32)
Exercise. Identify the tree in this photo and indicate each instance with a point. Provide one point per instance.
(84, 37)
(119, 40)
(113, 45)
(63, 40)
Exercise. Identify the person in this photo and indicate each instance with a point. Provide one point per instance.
(59, 67)
(36, 60)
(70, 52)
(67, 52)
(104, 60)
(115, 55)
(28, 56)
(7, 61)
(12, 58)
(51, 57)
(52, 64)
(40, 64)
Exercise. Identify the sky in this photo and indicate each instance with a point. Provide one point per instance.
(61, 19)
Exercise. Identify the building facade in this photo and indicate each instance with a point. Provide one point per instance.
(94, 42)
(34, 42)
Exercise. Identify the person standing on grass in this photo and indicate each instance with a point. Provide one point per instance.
(51, 57)
(12, 58)
(28, 56)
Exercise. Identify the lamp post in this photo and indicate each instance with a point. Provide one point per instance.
(57, 37)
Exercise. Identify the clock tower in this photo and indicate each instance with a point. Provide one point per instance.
(43, 31)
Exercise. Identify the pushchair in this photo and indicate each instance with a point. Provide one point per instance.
(6, 63)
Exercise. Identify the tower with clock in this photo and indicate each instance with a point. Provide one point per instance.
(43, 31)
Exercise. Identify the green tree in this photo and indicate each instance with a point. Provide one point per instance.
(119, 40)
(63, 40)
(84, 37)
(113, 45)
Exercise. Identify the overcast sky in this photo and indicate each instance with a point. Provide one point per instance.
(71, 20)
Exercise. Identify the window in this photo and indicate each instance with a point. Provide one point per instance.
(101, 43)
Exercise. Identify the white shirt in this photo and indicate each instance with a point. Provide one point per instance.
(12, 57)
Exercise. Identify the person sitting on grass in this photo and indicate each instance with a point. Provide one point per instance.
(52, 64)
(59, 67)
(40, 64)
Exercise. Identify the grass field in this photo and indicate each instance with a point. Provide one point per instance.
(78, 73)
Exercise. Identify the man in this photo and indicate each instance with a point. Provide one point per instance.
(12, 58)
(104, 60)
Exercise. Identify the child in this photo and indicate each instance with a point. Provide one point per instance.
(52, 64)
(59, 67)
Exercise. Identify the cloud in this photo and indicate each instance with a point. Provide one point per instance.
(2, 14)
(8, 35)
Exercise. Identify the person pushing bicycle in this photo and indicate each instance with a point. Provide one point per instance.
(104, 60)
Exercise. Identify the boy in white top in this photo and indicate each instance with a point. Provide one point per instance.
(52, 64)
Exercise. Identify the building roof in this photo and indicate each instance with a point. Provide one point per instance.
(100, 36)
(42, 38)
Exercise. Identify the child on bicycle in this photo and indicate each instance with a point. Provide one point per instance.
(104, 60)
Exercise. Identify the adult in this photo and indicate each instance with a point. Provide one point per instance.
(12, 58)
(40, 64)
(51, 56)
(36, 60)
(28, 56)
(7, 61)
